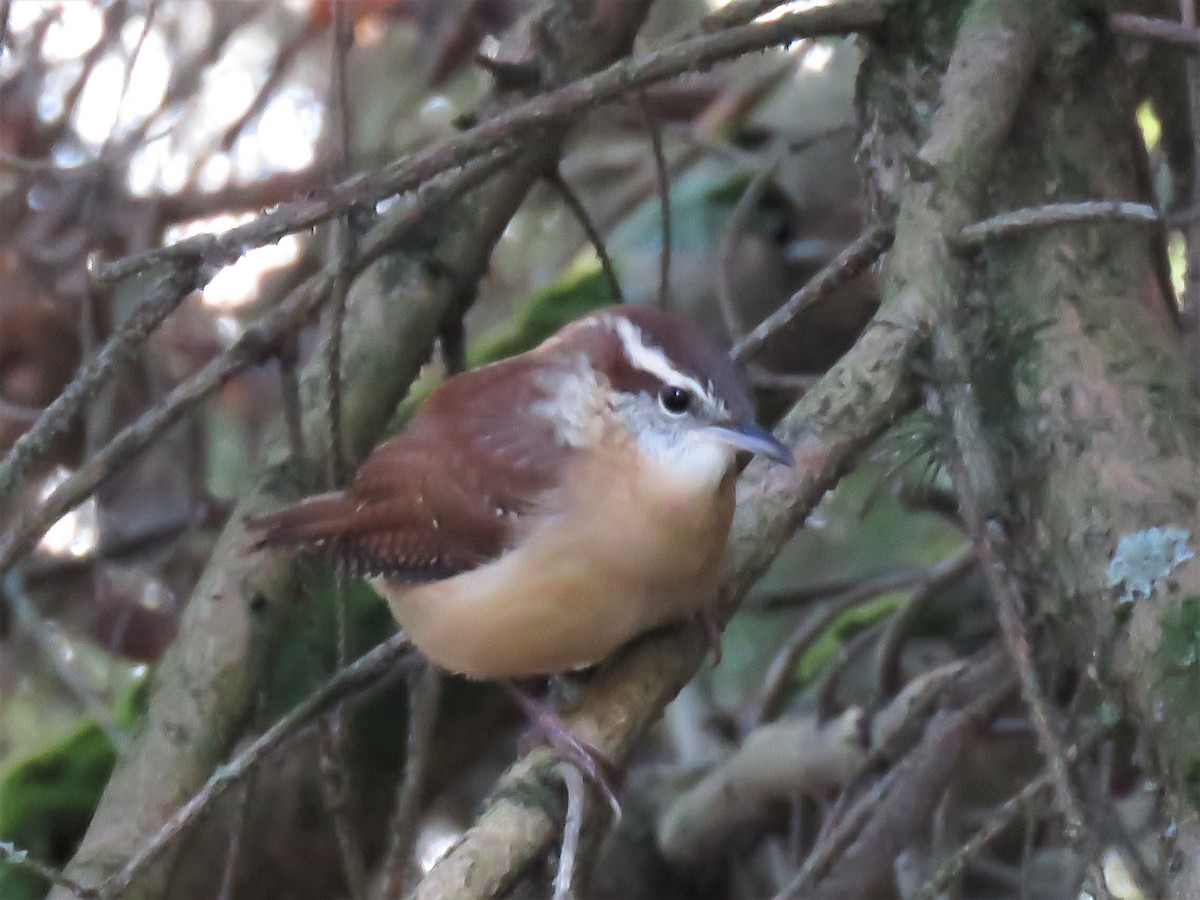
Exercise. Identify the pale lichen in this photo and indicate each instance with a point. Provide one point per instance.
(1144, 558)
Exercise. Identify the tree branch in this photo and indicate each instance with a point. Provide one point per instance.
(555, 107)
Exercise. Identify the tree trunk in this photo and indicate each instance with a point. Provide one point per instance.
(1080, 373)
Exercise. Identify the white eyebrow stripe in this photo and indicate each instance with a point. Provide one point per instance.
(651, 359)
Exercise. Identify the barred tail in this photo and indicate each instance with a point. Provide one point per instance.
(311, 523)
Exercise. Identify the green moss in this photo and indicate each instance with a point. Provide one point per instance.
(1191, 782)
(1177, 677)
(47, 797)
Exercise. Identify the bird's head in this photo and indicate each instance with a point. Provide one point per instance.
(658, 376)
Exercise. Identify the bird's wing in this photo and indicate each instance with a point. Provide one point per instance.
(447, 494)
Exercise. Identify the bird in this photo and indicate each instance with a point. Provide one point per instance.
(539, 512)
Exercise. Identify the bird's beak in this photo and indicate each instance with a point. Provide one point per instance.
(753, 438)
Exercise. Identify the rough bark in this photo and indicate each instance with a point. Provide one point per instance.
(1081, 377)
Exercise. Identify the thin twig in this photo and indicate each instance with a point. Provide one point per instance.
(336, 790)
(289, 389)
(424, 694)
(127, 75)
(870, 583)
(1007, 601)
(385, 659)
(518, 121)
(577, 791)
(1152, 29)
(887, 656)
(732, 236)
(1052, 215)
(662, 179)
(564, 190)
(779, 675)
(10, 855)
(739, 12)
(1004, 816)
(256, 344)
(783, 382)
(10, 410)
(856, 258)
(121, 349)
(336, 777)
(233, 850)
(826, 690)
(50, 642)
(1190, 299)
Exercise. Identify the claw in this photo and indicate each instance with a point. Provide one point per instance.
(589, 759)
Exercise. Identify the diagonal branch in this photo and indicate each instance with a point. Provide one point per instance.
(555, 107)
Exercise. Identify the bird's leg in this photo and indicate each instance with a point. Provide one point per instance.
(549, 726)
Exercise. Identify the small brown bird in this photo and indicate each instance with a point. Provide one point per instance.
(539, 512)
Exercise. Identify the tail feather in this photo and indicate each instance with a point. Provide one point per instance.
(311, 523)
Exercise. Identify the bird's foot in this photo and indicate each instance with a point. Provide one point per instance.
(595, 765)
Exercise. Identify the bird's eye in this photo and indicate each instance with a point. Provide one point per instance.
(675, 400)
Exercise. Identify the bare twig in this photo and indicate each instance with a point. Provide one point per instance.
(739, 12)
(336, 777)
(1190, 300)
(780, 673)
(1051, 215)
(289, 389)
(234, 848)
(367, 670)
(50, 642)
(424, 694)
(796, 757)
(870, 583)
(11, 410)
(256, 344)
(887, 655)
(121, 349)
(662, 178)
(826, 690)
(517, 122)
(860, 254)
(732, 236)
(11, 855)
(861, 839)
(1152, 29)
(1007, 600)
(595, 238)
(1004, 815)
(335, 789)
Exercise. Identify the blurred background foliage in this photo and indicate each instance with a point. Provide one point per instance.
(129, 124)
